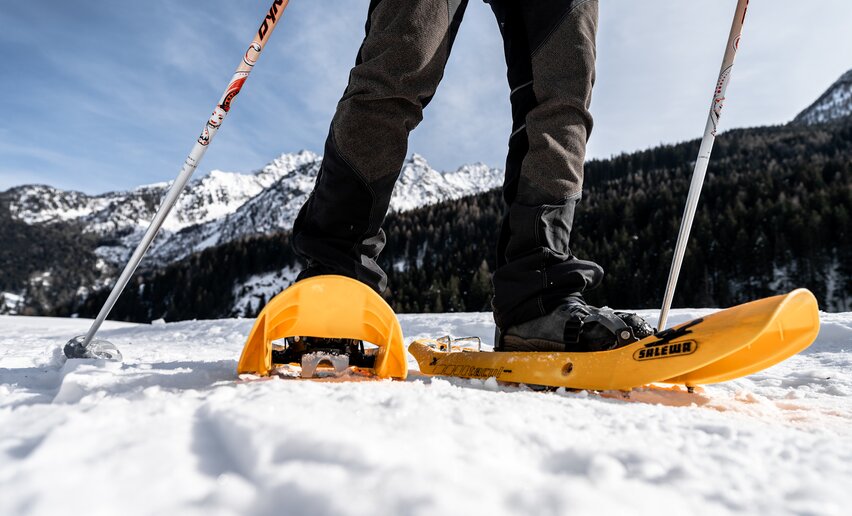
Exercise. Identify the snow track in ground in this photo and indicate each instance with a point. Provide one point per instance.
(170, 431)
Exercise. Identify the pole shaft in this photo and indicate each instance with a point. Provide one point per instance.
(191, 164)
(703, 158)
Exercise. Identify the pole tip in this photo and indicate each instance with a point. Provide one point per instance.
(97, 349)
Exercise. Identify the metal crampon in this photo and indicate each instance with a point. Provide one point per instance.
(318, 354)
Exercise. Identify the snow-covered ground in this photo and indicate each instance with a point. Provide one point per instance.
(172, 431)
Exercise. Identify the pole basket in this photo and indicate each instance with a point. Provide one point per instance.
(327, 307)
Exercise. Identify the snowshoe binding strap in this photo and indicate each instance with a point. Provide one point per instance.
(575, 326)
(603, 329)
(614, 324)
(327, 307)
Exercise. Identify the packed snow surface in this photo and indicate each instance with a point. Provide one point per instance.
(173, 431)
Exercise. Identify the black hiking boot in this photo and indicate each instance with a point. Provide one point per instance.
(577, 327)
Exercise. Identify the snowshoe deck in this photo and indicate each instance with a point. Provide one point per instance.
(722, 346)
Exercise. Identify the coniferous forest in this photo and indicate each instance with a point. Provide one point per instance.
(774, 215)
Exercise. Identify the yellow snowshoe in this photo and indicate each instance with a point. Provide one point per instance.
(326, 320)
(719, 347)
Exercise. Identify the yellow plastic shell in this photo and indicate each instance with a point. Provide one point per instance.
(722, 346)
(334, 307)
(793, 327)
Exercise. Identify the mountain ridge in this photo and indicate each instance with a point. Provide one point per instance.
(215, 209)
(834, 104)
(222, 206)
(793, 184)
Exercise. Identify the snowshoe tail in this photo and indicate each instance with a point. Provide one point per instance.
(327, 307)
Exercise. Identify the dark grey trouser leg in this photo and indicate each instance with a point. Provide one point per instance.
(399, 66)
(550, 54)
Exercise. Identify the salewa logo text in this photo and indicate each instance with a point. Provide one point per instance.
(666, 350)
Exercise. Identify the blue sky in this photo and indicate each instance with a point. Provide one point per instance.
(101, 95)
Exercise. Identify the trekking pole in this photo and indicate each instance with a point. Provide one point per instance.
(703, 158)
(83, 346)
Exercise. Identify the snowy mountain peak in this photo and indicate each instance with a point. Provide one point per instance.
(416, 160)
(40, 204)
(290, 162)
(834, 104)
(222, 206)
(419, 184)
